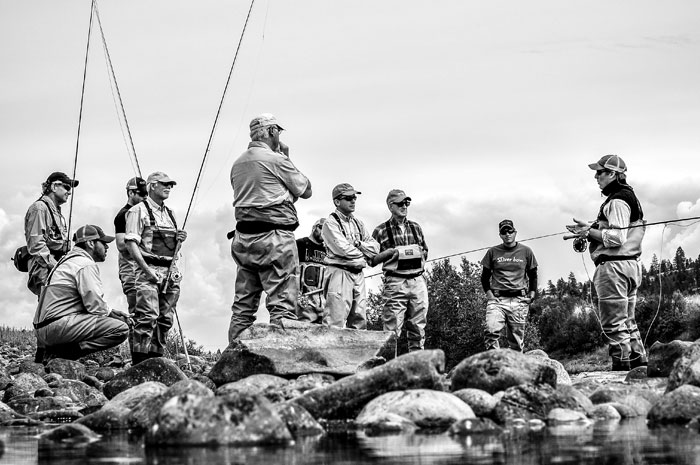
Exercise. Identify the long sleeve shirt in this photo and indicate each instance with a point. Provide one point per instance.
(45, 228)
(75, 287)
(348, 243)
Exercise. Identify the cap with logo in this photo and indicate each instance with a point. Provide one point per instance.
(137, 184)
(344, 189)
(159, 176)
(90, 232)
(610, 162)
(62, 177)
(263, 121)
(505, 225)
(396, 196)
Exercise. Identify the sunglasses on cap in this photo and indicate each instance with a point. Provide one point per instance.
(348, 198)
(403, 203)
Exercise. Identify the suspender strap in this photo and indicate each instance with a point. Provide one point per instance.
(340, 223)
(390, 233)
(153, 218)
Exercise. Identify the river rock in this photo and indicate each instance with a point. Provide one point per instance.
(143, 414)
(105, 374)
(239, 419)
(497, 370)
(426, 408)
(347, 396)
(530, 401)
(27, 365)
(624, 393)
(565, 415)
(80, 392)
(676, 407)
(158, 369)
(26, 404)
(56, 416)
(106, 419)
(299, 422)
(297, 387)
(253, 384)
(71, 434)
(7, 413)
(562, 375)
(685, 369)
(298, 349)
(481, 402)
(24, 384)
(605, 412)
(470, 426)
(662, 356)
(69, 369)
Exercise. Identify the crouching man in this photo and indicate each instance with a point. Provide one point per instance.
(72, 319)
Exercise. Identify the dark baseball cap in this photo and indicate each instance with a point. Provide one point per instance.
(90, 232)
(62, 177)
(609, 162)
(137, 184)
(505, 225)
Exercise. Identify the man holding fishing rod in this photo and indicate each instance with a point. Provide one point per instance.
(152, 238)
(266, 184)
(615, 246)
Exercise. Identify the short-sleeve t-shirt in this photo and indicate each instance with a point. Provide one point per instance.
(509, 266)
(120, 220)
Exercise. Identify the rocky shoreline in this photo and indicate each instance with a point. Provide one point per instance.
(174, 405)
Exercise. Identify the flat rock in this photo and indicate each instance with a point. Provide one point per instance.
(298, 349)
(242, 419)
(71, 434)
(497, 370)
(662, 356)
(346, 397)
(158, 369)
(426, 408)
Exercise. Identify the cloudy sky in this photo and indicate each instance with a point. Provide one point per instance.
(479, 110)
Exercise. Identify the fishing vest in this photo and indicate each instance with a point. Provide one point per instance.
(164, 240)
(631, 249)
(411, 261)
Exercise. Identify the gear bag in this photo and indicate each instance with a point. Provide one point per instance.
(21, 257)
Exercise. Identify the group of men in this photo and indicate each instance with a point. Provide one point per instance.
(72, 318)
(319, 278)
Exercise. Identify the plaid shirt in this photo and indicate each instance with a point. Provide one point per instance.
(402, 236)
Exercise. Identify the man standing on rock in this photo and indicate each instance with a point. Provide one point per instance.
(349, 249)
(72, 319)
(403, 252)
(136, 192)
(312, 254)
(266, 184)
(509, 279)
(151, 237)
(615, 246)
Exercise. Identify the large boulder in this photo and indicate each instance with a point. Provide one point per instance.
(662, 356)
(238, 419)
(158, 369)
(298, 349)
(144, 414)
(346, 397)
(79, 392)
(497, 370)
(426, 408)
(562, 375)
(676, 407)
(530, 401)
(685, 369)
(24, 384)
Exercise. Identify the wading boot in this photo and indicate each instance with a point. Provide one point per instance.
(620, 365)
(138, 357)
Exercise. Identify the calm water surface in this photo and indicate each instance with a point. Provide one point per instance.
(629, 442)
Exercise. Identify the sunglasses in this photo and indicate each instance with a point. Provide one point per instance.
(601, 172)
(348, 198)
(65, 186)
(403, 203)
(507, 231)
(169, 185)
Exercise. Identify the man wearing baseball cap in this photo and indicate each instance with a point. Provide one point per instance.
(136, 192)
(350, 249)
(151, 236)
(403, 252)
(72, 319)
(266, 184)
(509, 279)
(615, 246)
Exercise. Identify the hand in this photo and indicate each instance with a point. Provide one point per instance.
(284, 148)
(578, 229)
(154, 277)
(52, 262)
(121, 315)
(490, 296)
(181, 235)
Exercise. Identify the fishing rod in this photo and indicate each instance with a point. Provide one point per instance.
(80, 120)
(178, 244)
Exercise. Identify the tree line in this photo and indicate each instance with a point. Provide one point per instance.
(564, 319)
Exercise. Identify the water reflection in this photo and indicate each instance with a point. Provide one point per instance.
(603, 442)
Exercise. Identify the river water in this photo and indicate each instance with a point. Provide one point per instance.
(629, 442)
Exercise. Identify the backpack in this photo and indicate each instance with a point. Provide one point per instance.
(21, 259)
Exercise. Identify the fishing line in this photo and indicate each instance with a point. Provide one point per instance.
(80, 114)
(114, 85)
(218, 113)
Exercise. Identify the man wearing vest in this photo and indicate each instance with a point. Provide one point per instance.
(349, 249)
(266, 184)
(72, 319)
(312, 254)
(136, 192)
(151, 238)
(403, 252)
(615, 247)
(509, 279)
(46, 233)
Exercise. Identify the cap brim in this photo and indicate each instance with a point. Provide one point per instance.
(596, 166)
(106, 239)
